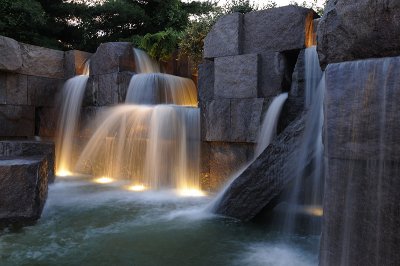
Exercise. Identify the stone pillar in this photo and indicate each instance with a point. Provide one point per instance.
(362, 152)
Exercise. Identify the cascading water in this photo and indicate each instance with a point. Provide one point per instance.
(269, 124)
(154, 138)
(144, 64)
(159, 88)
(306, 196)
(265, 137)
(72, 96)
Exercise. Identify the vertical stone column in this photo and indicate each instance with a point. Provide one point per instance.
(362, 152)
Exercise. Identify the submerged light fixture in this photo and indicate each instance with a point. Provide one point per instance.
(103, 180)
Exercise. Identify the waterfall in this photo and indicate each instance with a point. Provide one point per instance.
(265, 137)
(269, 124)
(72, 95)
(306, 195)
(158, 88)
(153, 139)
(145, 64)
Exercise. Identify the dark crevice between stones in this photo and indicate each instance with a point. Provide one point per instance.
(37, 121)
(291, 58)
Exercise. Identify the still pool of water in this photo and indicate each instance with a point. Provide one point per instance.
(91, 224)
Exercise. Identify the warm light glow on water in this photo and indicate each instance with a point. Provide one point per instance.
(63, 173)
(103, 180)
(191, 193)
(315, 211)
(137, 188)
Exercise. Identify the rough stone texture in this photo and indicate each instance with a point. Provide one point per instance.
(361, 137)
(112, 57)
(17, 121)
(46, 120)
(3, 87)
(235, 120)
(101, 90)
(205, 166)
(206, 81)
(272, 73)
(87, 120)
(245, 119)
(44, 92)
(294, 105)
(236, 76)
(123, 80)
(23, 189)
(225, 37)
(43, 62)
(361, 213)
(30, 148)
(282, 29)
(75, 62)
(351, 30)
(216, 120)
(362, 110)
(10, 54)
(16, 89)
(264, 180)
(225, 160)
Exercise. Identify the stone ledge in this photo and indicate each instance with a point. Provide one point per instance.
(23, 189)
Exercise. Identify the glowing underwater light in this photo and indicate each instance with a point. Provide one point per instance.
(315, 211)
(137, 188)
(63, 173)
(103, 180)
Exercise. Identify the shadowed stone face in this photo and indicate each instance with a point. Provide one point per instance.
(225, 37)
(23, 189)
(362, 152)
(351, 30)
(236, 76)
(276, 29)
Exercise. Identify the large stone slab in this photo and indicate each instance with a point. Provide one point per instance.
(361, 213)
(234, 120)
(16, 89)
(236, 76)
(351, 30)
(216, 120)
(276, 29)
(362, 110)
(3, 87)
(101, 90)
(264, 180)
(10, 54)
(225, 37)
(47, 119)
(272, 73)
(17, 121)
(75, 62)
(123, 81)
(245, 119)
(28, 148)
(112, 57)
(44, 92)
(43, 62)
(206, 81)
(23, 189)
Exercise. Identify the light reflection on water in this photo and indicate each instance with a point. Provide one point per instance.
(90, 224)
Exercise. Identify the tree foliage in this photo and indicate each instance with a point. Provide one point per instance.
(80, 24)
(160, 45)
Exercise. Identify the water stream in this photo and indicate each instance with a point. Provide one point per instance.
(72, 97)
